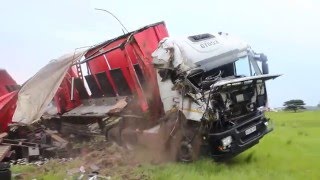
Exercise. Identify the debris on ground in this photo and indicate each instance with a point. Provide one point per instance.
(95, 159)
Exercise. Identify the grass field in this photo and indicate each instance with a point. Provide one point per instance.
(291, 151)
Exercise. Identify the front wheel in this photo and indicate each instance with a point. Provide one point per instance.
(185, 152)
(189, 151)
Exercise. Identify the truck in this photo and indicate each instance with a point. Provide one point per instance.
(200, 94)
(217, 82)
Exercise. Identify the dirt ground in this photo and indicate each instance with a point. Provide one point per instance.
(95, 157)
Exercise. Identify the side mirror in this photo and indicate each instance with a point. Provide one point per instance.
(265, 67)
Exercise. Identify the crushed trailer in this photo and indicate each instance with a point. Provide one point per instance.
(201, 94)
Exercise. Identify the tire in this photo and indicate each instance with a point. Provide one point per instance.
(185, 152)
(189, 151)
(5, 173)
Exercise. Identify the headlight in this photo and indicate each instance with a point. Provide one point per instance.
(226, 141)
(262, 109)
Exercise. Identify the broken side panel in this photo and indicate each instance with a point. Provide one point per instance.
(37, 93)
(93, 86)
(81, 89)
(172, 98)
(105, 85)
(121, 82)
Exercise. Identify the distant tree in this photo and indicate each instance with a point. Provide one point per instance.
(294, 105)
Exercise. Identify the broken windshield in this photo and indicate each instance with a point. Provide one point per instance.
(244, 67)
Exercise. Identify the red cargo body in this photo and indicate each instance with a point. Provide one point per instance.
(113, 71)
(127, 70)
(132, 61)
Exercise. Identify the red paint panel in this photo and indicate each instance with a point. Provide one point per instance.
(115, 59)
(145, 41)
(7, 108)
(5, 79)
(62, 97)
(148, 40)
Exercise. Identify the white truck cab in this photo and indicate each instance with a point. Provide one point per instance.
(216, 81)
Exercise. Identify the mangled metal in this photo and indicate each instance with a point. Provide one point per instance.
(198, 76)
(38, 92)
(175, 94)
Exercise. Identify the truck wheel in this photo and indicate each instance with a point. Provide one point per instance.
(189, 151)
(5, 172)
(185, 152)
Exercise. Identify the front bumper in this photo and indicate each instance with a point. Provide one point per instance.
(241, 140)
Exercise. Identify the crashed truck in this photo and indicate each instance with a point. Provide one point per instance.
(201, 94)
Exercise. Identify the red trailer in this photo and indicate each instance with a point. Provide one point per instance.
(116, 69)
(125, 64)
(98, 87)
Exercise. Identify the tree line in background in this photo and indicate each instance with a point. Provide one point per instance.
(294, 105)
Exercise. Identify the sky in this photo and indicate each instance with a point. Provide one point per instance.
(288, 31)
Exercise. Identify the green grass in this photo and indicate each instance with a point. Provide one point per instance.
(291, 151)
(51, 171)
